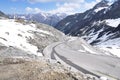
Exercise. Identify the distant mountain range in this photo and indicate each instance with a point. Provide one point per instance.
(46, 18)
(99, 26)
(2, 14)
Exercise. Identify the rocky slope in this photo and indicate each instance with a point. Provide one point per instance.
(99, 26)
(31, 69)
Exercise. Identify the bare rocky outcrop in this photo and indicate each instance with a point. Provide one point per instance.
(29, 69)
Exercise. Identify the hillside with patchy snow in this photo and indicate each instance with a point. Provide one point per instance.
(26, 37)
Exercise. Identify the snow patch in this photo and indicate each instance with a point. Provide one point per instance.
(113, 22)
(87, 49)
(17, 35)
(72, 38)
(111, 46)
(113, 50)
(67, 23)
(99, 9)
(93, 36)
(46, 32)
(81, 50)
(103, 78)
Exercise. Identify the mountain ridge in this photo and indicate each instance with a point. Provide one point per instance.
(42, 17)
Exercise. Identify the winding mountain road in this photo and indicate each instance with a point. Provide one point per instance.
(97, 65)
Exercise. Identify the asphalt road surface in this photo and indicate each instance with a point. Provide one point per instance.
(97, 65)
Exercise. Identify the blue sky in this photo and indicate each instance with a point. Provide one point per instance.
(50, 6)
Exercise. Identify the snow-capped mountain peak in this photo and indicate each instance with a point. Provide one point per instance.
(103, 3)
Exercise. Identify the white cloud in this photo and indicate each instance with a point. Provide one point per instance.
(90, 5)
(28, 9)
(36, 1)
(37, 10)
(17, 0)
(98, 0)
(33, 10)
(67, 7)
(13, 0)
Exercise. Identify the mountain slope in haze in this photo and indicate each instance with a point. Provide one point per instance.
(46, 18)
(99, 26)
(3, 15)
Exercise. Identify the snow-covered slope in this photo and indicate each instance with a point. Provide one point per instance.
(27, 36)
(113, 22)
(112, 46)
(16, 34)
